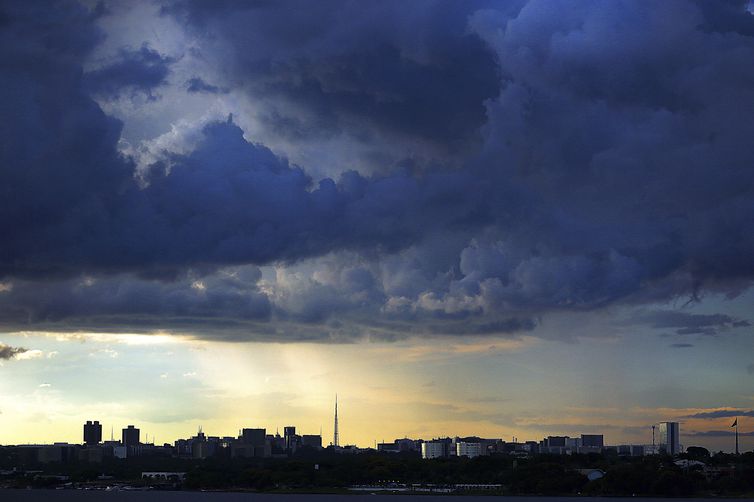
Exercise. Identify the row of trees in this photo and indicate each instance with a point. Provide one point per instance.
(543, 474)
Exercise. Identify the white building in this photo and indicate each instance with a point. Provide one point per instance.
(469, 450)
(434, 449)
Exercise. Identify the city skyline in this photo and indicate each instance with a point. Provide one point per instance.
(493, 217)
(664, 434)
(667, 441)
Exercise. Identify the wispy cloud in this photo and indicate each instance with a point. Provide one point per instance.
(729, 413)
(685, 323)
(713, 434)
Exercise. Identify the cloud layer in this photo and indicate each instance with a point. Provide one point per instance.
(531, 158)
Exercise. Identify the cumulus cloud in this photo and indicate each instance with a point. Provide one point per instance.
(592, 155)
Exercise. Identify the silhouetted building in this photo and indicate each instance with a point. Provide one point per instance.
(399, 446)
(92, 432)
(670, 438)
(626, 450)
(91, 454)
(312, 440)
(254, 437)
(551, 441)
(277, 443)
(131, 436)
(592, 440)
(387, 447)
(252, 443)
(57, 453)
(289, 431)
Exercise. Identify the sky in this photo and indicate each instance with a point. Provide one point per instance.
(512, 218)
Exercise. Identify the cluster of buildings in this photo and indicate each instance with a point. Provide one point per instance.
(249, 443)
(669, 443)
(256, 443)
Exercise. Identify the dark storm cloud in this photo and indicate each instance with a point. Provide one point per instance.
(411, 70)
(722, 414)
(8, 352)
(688, 324)
(134, 70)
(196, 84)
(230, 299)
(613, 164)
(227, 202)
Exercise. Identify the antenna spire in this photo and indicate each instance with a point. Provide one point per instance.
(336, 439)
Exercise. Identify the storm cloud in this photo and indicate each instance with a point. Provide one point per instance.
(135, 70)
(538, 156)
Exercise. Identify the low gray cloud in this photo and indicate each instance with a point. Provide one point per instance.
(713, 434)
(722, 414)
(681, 345)
(685, 323)
(8, 352)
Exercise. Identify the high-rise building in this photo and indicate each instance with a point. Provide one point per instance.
(131, 436)
(254, 437)
(253, 443)
(289, 433)
(670, 438)
(92, 432)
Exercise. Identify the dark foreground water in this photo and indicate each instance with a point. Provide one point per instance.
(96, 496)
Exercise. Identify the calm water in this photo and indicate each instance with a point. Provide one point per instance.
(95, 496)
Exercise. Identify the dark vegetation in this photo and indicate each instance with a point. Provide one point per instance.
(722, 474)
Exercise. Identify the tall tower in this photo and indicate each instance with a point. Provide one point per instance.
(336, 439)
